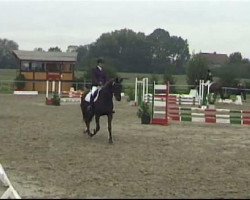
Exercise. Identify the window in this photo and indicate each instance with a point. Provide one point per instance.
(37, 66)
(25, 66)
(53, 67)
(66, 67)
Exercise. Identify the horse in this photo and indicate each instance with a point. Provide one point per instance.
(215, 88)
(102, 106)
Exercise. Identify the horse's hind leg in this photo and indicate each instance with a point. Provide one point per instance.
(87, 128)
(110, 117)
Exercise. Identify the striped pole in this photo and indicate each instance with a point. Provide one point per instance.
(219, 116)
(160, 104)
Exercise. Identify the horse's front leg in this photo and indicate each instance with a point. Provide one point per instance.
(110, 117)
(97, 124)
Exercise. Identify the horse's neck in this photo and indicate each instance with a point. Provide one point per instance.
(106, 93)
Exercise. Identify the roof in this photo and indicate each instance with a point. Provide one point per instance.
(215, 58)
(45, 56)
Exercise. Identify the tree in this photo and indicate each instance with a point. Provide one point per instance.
(111, 72)
(125, 48)
(129, 51)
(167, 51)
(54, 49)
(72, 48)
(237, 68)
(39, 49)
(196, 69)
(7, 60)
(153, 78)
(235, 57)
(20, 82)
(228, 79)
(82, 57)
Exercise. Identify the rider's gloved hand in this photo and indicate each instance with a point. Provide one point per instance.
(100, 83)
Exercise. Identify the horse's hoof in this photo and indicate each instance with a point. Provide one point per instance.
(89, 133)
(110, 141)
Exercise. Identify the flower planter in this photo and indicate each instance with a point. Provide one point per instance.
(52, 102)
(49, 102)
(145, 118)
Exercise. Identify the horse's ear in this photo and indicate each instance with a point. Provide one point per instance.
(118, 80)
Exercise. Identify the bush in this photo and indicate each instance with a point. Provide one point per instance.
(129, 91)
(144, 109)
(20, 82)
(56, 99)
(196, 69)
(144, 113)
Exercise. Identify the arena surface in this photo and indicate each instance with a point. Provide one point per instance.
(46, 155)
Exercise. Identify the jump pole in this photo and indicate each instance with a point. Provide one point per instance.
(160, 99)
(53, 76)
(202, 91)
(144, 84)
(53, 88)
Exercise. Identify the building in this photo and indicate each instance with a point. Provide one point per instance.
(36, 66)
(215, 59)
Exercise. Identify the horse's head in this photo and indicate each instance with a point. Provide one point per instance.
(117, 88)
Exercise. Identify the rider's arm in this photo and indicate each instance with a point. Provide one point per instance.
(94, 77)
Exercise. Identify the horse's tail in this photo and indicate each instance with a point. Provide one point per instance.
(221, 93)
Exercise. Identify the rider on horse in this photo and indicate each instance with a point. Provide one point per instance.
(99, 78)
(209, 77)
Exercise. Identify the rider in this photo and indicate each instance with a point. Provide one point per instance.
(209, 77)
(241, 90)
(99, 78)
(196, 84)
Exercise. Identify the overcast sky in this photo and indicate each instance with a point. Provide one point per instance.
(209, 26)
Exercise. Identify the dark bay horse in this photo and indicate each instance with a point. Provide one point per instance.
(102, 106)
(215, 88)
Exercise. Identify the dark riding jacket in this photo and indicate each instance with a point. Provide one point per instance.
(209, 77)
(99, 77)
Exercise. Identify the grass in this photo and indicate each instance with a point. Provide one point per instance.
(129, 78)
(129, 81)
(6, 78)
(8, 74)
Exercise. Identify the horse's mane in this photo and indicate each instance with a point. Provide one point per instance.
(108, 83)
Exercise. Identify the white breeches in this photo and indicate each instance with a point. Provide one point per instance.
(92, 91)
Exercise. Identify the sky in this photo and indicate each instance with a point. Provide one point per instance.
(208, 26)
